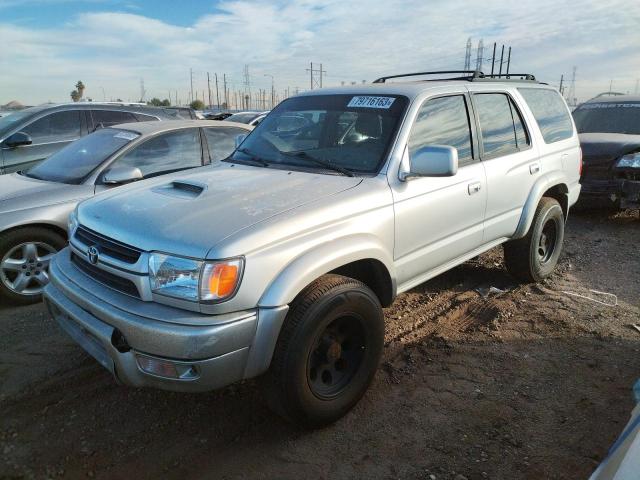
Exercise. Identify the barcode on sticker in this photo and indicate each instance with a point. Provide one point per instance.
(371, 102)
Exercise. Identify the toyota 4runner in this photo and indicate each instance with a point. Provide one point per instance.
(278, 261)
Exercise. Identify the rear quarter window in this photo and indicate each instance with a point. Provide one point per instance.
(550, 113)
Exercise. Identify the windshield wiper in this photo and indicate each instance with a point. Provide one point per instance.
(305, 156)
(254, 157)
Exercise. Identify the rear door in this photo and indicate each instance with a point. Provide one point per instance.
(439, 219)
(49, 134)
(511, 163)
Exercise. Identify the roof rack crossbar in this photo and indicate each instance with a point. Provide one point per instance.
(469, 75)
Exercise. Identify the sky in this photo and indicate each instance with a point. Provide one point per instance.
(46, 46)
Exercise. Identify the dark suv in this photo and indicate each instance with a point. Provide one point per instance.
(31, 135)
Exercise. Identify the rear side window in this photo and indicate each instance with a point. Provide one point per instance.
(443, 121)
(141, 117)
(501, 126)
(222, 141)
(55, 127)
(107, 118)
(550, 112)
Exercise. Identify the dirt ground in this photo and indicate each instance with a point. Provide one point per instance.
(531, 383)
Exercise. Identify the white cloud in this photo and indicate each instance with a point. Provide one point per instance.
(353, 40)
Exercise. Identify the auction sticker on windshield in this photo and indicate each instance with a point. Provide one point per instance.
(371, 102)
(126, 135)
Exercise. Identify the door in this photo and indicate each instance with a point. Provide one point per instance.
(439, 219)
(164, 153)
(48, 134)
(510, 162)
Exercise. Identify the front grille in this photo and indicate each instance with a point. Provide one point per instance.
(109, 279)
(112, 248)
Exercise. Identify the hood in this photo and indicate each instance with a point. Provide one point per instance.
(18, 192)
(188, 214)
(601, 149)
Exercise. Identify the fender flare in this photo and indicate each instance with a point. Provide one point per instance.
(544, 183)
(321, 259)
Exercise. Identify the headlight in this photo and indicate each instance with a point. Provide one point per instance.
(72, 222)
(631, 160)
(194, 280)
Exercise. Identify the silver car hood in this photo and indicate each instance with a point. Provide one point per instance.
(18, 192)
(188, 214)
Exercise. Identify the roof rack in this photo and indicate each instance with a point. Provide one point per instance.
(469, 75)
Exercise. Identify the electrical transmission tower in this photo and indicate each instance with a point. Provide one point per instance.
(143, 92)
(480, 55)
(467, 55)
(571, 100)
(247, 87)
(315, 75)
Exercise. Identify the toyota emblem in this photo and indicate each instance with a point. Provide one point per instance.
(93, 254)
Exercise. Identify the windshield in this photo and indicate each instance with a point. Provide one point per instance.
(77, 160)
(349, 134)
(242, 117)
(608, 117)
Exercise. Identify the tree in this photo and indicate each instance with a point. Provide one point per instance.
(75, 96)
(156, 102)
(197, 105)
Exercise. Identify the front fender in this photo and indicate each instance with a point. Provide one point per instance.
(544, 183)
(322, 259)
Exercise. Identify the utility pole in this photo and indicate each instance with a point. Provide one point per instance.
(479, 55)
(191, 77)
(501, 57)
(247, 86)
(226, 99)
(467, 55)
(493, 58)
(561, 82)
(217, 92)
(209, 88)
(508, 60)
(273, 93)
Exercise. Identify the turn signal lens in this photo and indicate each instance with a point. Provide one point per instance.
(220, 280)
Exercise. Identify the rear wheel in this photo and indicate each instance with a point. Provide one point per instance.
(534, 257)
(24, 263)
(327, 353)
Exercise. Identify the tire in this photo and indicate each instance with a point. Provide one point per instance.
(534, 257)
(24, 260)
(327, 352)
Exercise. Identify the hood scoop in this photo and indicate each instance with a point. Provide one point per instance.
(182, 189)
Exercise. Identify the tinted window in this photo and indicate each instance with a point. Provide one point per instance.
(77, 160)
(164, 153)
(522, 139)
(106, 118)
(55, 127)
(443, 121)
(608, 117)
(496, 124)
(222, 141)
(141, 117)
(550, 112)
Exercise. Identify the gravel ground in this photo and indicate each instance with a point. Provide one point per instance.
(529, 383)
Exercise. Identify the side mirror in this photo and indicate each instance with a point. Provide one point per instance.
(121, 175)
(18, 139)
(431, 161)
(240, 138)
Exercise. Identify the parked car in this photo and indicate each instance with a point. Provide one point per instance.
(217, 115)
(184, 113)
(279, 261)
(35, 204)
(609, 130)
(250, 118)
(29, 136)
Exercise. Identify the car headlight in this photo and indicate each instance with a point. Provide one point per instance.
(72, 222)
(631, 160)
(194, 280)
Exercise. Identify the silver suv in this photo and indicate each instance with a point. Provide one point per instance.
(278, 261)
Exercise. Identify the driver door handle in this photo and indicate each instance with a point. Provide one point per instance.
(474, 187)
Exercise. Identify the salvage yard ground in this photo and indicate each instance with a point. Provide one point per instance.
(531, 383)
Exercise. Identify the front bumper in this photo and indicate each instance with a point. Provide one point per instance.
(118, 331)
(620, 192)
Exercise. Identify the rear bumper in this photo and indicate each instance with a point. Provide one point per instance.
(621, 193)
(123, 333)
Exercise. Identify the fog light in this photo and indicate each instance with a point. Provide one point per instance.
(166, 368)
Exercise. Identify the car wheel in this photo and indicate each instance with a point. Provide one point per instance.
(25, 254)
(327, 352)
(534, 257)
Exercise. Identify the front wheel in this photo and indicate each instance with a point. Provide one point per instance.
(327, 353)
(24, 263)
(534, 257)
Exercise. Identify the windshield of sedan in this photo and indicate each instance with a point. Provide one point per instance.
(73, 163)
(345, 134)
(608, 117)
